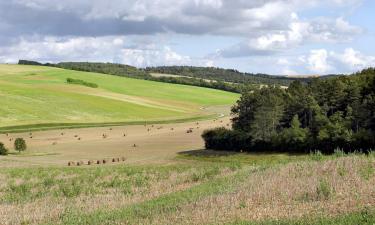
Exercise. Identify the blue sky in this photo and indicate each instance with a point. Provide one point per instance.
(282, 37)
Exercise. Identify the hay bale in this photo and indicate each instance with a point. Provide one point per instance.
(123, 158)
(104, 161)
(90, 162)
(98, 162)
(113, 160)
(54, 143)
(79, 139)
(71, 163)
(75, 135)
(117, 159)
(79, 164)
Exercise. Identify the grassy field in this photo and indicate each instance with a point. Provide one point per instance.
(166, 177)
(218, 188)
(32, 95)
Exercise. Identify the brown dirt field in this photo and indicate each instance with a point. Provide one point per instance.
(159, 144)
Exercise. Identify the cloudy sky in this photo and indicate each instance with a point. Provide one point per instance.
(270, 36)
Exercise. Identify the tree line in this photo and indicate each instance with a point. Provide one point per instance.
(324, 114)
(225, 75)
(209, 77)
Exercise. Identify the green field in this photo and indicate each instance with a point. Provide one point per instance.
(40, 95)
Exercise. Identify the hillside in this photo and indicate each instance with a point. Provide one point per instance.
(41, 95)
(226, 75)
(210, 77)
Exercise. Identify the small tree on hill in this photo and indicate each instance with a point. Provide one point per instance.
(20, 144)
(3, 150)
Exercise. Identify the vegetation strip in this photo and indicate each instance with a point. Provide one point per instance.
(163, 204)
(55, 126)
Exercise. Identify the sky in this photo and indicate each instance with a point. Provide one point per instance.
(280, 37)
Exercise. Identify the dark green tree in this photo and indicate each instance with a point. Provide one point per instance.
(3, 150)
(20, 144)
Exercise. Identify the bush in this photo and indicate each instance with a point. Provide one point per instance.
(81, 82)
(3, 150)
(225, 139)
(20, 144)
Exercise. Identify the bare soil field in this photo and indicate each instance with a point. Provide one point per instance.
(138, 143)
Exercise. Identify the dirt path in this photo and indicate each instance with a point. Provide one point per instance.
(152, 142)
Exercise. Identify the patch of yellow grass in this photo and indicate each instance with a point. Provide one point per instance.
(293, 191)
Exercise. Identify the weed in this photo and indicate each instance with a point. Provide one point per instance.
(323, 190)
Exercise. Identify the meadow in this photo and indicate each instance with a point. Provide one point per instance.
(35, 96)
(219, 188)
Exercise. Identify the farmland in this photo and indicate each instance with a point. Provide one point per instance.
(32, 95)
(165, 176)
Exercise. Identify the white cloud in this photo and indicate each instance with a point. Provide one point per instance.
(317, 61)
(322, 61)
(117, 49)
(298, 33)
(225, 17)
(66, 30)
(353, 60)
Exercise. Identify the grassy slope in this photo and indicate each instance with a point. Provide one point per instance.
(37, 95)
(195, 192)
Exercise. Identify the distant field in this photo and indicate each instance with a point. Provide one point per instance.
(40, 95)
(165, 75)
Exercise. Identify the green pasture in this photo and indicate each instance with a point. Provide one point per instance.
(41, 95)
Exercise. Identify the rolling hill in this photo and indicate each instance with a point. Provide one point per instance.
(31, 95)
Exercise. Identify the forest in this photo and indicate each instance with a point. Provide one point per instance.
(323, 115)
(216, 78)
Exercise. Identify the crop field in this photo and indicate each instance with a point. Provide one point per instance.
(31, 95)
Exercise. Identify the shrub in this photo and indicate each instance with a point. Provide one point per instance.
(316, 155)
(20, 144)
(81, 82)
(225, 139)
(323, 190)
(3, 150)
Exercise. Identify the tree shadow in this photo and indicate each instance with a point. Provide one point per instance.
(213, 153)
(207, 153)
